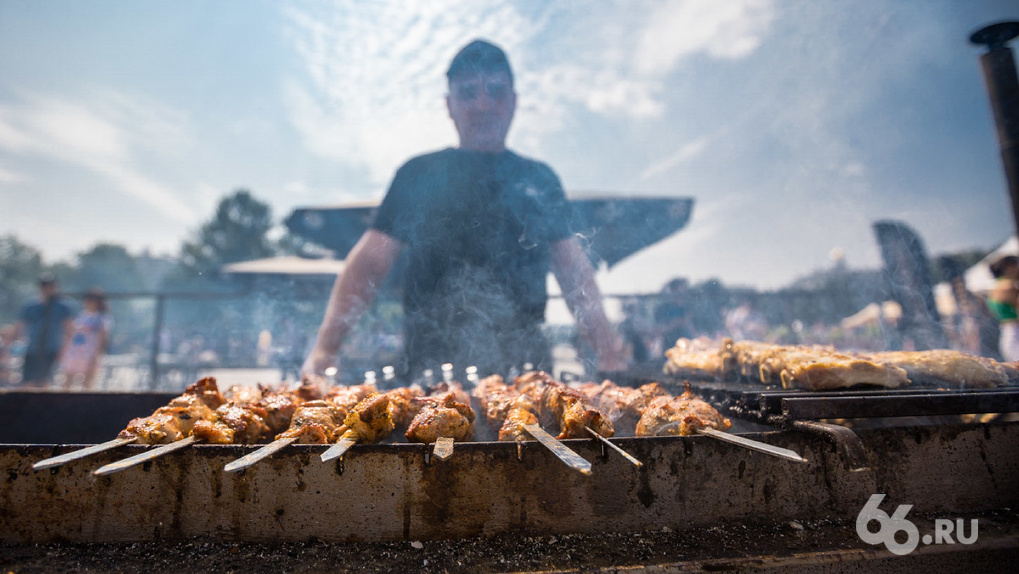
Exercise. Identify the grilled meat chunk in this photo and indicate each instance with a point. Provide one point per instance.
(561, 405)
(315, 422)
(679, 416)
(233, 424)
(370, 420)
(175, 420)
(442, 416)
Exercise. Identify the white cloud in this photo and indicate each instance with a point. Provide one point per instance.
(8, 176)
(100, 135)
(372, 88)
(730, 30)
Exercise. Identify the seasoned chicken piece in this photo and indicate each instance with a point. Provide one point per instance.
(496, 398)
(280, 407)
(159, 428)
(234, 424)
(244, 395)
(310, 390)
(348, 397)
(558, 404)
(681, 416)
(442, 417)
(401, 410)
(314, 422)
(370, 420)
(519, 413)
(169, 423)
(206, 390)
(622, 405)
(575, 418)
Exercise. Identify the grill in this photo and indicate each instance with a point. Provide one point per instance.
(908, 444)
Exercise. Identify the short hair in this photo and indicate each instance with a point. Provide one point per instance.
(479, 56)
(999, 266)
(47, 279)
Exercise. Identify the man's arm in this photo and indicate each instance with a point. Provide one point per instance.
(367, 266)
(575, 274)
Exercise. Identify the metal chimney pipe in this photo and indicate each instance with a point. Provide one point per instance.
(1003, 89)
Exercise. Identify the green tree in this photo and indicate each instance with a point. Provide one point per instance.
(20, 266)
(107, 266)
(238, 231)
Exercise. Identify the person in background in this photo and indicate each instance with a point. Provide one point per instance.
(45, 324)
(1003, 301)
(671, 319)
(83, 352)
(974, 327)
(7, 346)
(481, 227)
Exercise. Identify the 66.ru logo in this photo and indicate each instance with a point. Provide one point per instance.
(891, 525)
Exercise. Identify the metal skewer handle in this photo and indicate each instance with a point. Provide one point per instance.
(82, 453)
(614, 447)
(339, 449)
(753, 444)
(145, 456)
(250, 459)
(443, 448)
(572, 459)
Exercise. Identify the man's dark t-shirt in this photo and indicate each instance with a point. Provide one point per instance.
(478, 228)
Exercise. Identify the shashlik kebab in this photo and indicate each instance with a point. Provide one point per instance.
(317, 421)
(359, 414)
(248, 415)
(516, 412)
(423, 418)
(659, 414)
(168, 423)
(443, 417)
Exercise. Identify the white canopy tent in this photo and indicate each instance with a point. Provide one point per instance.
(978, 277)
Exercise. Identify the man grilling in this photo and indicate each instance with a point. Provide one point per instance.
(481, 226)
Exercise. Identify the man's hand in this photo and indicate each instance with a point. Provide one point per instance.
(317, 363)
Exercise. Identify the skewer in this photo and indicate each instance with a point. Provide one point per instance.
(339, 449)
(145, 456)
(251, 458)
(752, 444)
(615, 447)
(81, 453)
(572, 459)
(443, 448)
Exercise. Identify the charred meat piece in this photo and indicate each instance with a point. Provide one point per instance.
(559, 404)
(370, 420)
(315, 422)
(401, 404)
(680, 416)
(174, 421)
(279, 407)
(623, 405)
(442, 417)
(495, 398)
(234, 424)
(519, 413)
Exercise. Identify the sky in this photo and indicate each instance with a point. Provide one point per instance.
(794, 124)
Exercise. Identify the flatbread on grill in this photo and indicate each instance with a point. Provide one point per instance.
(946, 366)
(695, 359)
(819, 368)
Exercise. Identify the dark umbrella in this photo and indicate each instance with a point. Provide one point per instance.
(615, 227)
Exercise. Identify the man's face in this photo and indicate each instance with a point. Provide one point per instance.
(47, 290)
(481, 107)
